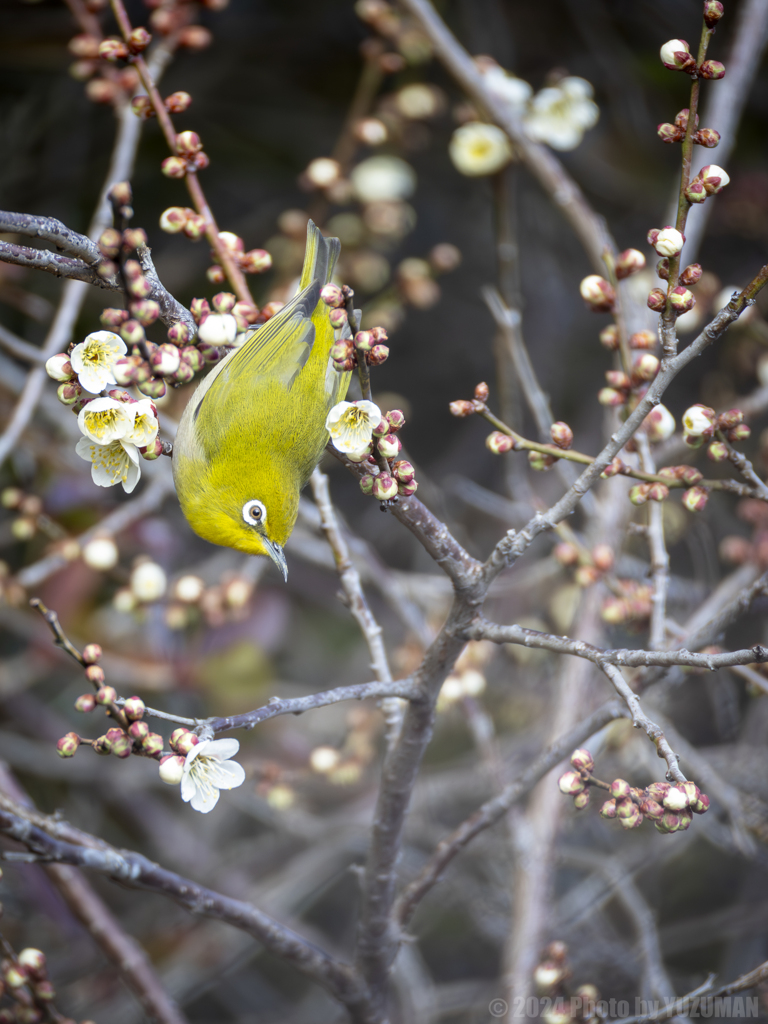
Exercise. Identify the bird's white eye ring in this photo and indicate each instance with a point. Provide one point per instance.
(254, 512)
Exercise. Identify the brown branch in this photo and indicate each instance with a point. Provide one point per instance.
(52, 230)
(60, 266)
(659, 555)
(404, 688)
(482, 629)
(137, 872)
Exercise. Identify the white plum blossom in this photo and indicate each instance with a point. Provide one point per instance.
(351, 425)
(514, 92)
(145, 424)
(148, 582)
(714, 178)
(207, 770)
(113, 463)
(93, 360)
(477, 148)
(560, 114)
(383, 179)
(101, 553)
(104, 420)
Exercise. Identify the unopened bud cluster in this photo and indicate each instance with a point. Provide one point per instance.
(589, 566)
(366, 347)
(631, 604)
(128, 735)
(676, 56)
(669, 807)
(671, 133)
(25, 982)
(386, 475)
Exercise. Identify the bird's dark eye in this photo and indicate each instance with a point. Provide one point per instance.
(254, 512)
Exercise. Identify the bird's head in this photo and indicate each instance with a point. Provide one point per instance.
(254, 514)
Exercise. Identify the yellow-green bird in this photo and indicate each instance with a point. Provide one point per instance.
(254, 429)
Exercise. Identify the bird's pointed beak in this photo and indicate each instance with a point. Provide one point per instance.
(277, 555)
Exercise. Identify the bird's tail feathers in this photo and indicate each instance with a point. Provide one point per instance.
(320, 257)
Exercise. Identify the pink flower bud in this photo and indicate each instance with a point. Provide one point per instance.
(481, 392)
(192, 357)
(717, 452)
(255, 261)
(173, 220)
(338, 317)
(173, 167)
(582, 760)
(199, 309)
(195, 37)
(364, 341)
(713, 12)
(586, 576)
(676, 56)
(84, 46)
(110, 242)
(366, 483)
(729, 419)
(146, 311)
(332, 295)
(571, 783)
(342, 349)
(638, 494)
(707, 137)
(59, 367)
(539, 462)
(620, 790)
(581, 800)
(633, 818)
(691, 274)
(165, 360)
(384, 487)
(138, 730)
(561, 435)
(646, 367)
(614, 467)
(122, 746)
(403, 472)
(667, 242)
(695, 499)
(739, 433)
(362, 455)
(657, 300)
(698, 420)
(499, 443)
(142, 107)
(106, 695)
(188, 143)
(690, 475)
(696, 192)
(597, 293)
(610, 396)
(139, 39)
(681, 299)
(608, 810)
(132, 333)
(713, 178)
(407, 490)
(629, 262)
(85, 702)
(69, 393)
(652, 810)
(643, 340)
(657, 791)
(702, 804)
(675, 799)
(395, 419)
(113, 318)
(113, 50)
(134, 708)
(670, 133)
(389, 446)
(95, 674)
(195, 226)
(177, 102)
(378, 355)
(67, 745)
(712, 69)
(681, 119)
(152, 744)
(462, 408)
(658, 492)
(609, 337)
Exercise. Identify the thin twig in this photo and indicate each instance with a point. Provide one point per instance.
(355, 599)
(659, 555)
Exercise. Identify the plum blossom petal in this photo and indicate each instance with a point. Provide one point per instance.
(206, 771)
(351, 424)
(93, 360)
